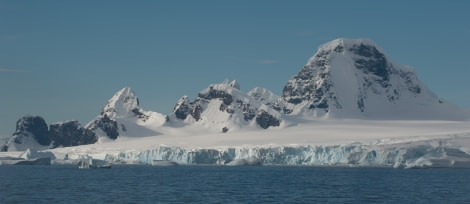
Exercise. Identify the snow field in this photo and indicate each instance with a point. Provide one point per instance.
(338, 143)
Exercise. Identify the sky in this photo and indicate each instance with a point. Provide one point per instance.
(63, 60)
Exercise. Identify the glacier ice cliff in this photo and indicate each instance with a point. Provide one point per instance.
(445, 152)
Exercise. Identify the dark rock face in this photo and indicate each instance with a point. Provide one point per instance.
(182, 112)
(3, 148)
(139, 114)
(184, 108)
(34, 126)
(410, 77)
(66, 134)
(192, 108)
(110, 127)
(181, 108)
(214, 94)
(265, 120)
(196, 112)
(248, 112)
(70, 133)
(312, 84)
(373, 62)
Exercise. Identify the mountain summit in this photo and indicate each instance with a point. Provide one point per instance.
(122, 116)
(354, 78)
(124, 102)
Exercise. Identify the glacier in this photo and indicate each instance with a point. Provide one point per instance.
(432, 153)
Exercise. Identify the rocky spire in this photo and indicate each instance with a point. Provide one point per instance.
(124, 102)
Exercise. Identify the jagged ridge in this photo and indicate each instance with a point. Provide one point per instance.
(224, 107)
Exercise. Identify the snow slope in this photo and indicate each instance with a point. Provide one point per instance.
(263, 95)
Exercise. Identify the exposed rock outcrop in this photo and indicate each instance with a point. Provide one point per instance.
(31, 131)
(70, 133)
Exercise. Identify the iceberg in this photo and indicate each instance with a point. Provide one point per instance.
(29, 157)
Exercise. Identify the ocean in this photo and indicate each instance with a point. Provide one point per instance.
(231, 184)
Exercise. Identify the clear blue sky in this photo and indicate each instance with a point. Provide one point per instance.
(64, 59)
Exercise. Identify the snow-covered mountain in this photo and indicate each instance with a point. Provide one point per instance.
(345, 79)
(223, 107)
(122, 116)
(354, 78)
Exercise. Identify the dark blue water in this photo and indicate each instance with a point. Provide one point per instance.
(221, 184)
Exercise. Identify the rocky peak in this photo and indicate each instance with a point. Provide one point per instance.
(124, 102)
(370, 60)
(31, 126)
(354, 78)
(122, 116)
(366, 55)
(233, 84)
